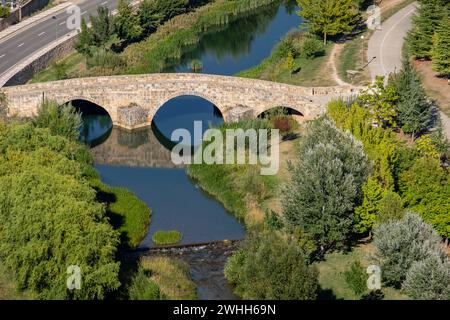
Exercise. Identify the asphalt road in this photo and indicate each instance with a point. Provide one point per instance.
(387, 44)
(26, 42)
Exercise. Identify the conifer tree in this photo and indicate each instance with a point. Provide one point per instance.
(425, 23)
(413, 108)
(441, 48)
(366, 214)
(84, 40)
(329, 17)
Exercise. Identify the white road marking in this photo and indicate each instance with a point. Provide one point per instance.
(40, 34)
(20, 45)
(104, 3)
(2, 56)
(83, 13)
(62, 23)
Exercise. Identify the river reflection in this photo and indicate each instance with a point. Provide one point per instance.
(241, 44)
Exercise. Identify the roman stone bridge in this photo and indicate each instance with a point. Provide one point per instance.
(132, 101)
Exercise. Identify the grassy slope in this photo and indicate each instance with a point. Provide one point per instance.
(313, 72)
(332, 269)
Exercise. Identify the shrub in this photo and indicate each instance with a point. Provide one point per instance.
(4, 12)
(167, 237)
(272, 267)
(356, 278)
(144, 288)
(61, 120)
(390, 208)
(428, 279)
(312, 47)
(401, 243)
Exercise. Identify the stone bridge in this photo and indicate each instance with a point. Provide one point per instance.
(132, 101)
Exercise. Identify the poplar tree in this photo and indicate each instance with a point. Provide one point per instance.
(329, 17)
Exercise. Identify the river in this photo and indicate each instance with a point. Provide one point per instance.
(140, 160)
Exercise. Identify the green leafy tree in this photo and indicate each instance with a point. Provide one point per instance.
(425, 23)
(149, 16)
(290, 63)
(390, 208)
(414, 110)
(401, 243)
(84, 41)
(381, 100)
(329, 17)
(127, 24)
(61, 120)
(428, 279)
(102, 27)
(271, 267)
(440, 52)
(366, 214)
(326, 183)
(425, 188)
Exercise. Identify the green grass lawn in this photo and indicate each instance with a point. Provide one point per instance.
(332, 279)
(311, 72)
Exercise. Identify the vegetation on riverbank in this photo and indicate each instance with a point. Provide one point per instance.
(298, 59)
(239, 187)
(154, 50)
(166, 237)
(162, 278)
(43, 157)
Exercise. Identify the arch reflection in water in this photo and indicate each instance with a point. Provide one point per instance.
(182, 112)
(97, 124)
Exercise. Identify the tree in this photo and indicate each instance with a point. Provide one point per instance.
(401, 243)
(102, 27)
(271, 267)
(329, 17)
(290, 63)
(425, 23)
(42, 235)
(414, 110)
(84, 41)
(326, 183)
(127, 24)
(390, 208)
(440, 51)
(149, 16)
(61, 120)
(381, 100)
(428, 279)
(366, 214)
(425, 189)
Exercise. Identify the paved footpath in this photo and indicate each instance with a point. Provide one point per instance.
(387, 46)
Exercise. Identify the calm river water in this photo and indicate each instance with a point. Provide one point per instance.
(140, 161)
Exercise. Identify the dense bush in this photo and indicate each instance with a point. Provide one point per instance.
(61, 120)
(272, 267)
(428, 279)
(326, 183)
(356, 278)
(401, 243)
(42, 236)
(4, 12)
